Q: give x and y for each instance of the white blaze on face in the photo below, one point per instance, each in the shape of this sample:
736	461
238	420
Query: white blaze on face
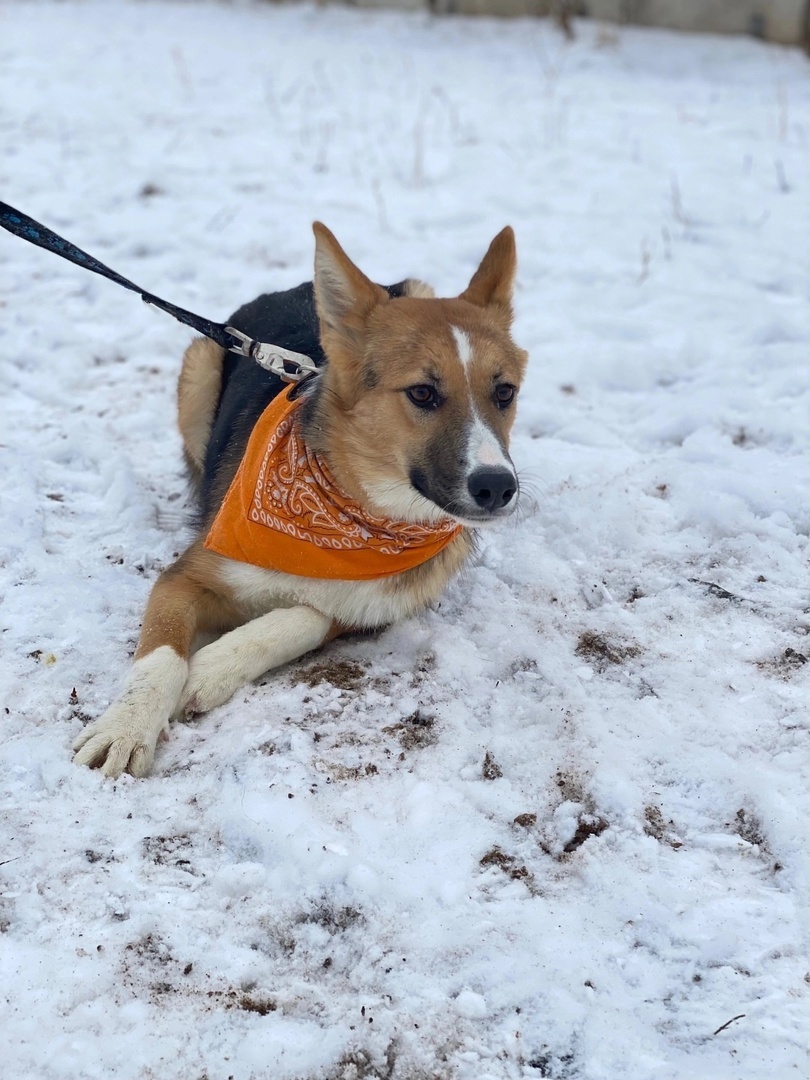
464	347
483	449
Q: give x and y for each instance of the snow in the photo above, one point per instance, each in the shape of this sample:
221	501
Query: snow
557	827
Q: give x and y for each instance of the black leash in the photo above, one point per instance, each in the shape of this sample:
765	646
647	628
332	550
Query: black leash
288	365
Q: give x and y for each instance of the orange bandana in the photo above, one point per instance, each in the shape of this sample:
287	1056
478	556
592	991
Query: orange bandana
284	511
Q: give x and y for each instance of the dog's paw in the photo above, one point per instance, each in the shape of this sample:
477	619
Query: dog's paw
119	741
217	672
210	683
237	658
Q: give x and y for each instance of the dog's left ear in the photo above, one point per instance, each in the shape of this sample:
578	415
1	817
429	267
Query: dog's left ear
344	296
491	284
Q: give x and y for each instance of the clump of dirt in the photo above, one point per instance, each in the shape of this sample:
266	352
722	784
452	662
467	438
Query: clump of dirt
284	934
510	866
744	438
361	1064
590	822
491	770
415	731
169	851
152	948
600	653
785	665
525	820
552	1066
589	825
236	999
337	771
658	829
749	828
152	953
425	665
94	856
342	674
262	1006
334	920
149	190
76	712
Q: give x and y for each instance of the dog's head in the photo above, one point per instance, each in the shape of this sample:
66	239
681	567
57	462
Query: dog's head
418	396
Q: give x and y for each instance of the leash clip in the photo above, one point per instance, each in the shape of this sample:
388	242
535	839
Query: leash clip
290	366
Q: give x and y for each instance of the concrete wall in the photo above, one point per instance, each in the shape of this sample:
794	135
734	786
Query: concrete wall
785	21
775	20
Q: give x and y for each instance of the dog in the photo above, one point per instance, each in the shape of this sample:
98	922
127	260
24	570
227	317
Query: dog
345	503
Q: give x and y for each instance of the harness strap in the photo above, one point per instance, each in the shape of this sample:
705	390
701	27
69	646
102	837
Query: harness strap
288	365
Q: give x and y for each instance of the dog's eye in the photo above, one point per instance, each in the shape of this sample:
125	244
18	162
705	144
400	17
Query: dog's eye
424	396
504	395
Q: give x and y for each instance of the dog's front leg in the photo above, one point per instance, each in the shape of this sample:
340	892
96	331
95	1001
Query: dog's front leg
124	738
218	670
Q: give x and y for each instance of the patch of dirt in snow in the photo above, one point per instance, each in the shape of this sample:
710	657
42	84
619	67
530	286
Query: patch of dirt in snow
343	674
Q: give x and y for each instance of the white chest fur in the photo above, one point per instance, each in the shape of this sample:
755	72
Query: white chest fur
366	604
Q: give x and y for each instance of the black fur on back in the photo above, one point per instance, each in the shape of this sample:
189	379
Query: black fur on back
284	318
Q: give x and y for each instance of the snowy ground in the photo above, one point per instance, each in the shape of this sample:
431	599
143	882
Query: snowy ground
557	827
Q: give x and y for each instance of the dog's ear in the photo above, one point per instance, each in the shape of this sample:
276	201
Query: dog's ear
344	296
491	284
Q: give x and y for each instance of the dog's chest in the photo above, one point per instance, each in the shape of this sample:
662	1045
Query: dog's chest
361	604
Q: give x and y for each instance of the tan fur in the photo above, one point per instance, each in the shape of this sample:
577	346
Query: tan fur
377	349
197	397
183	603
377	346
419	290
369	441
491	284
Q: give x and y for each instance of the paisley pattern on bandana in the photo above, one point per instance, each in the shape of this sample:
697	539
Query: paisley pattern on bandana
284	511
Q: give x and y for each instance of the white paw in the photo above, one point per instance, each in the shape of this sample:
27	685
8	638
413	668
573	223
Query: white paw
124	738
119	741
214	676
239	657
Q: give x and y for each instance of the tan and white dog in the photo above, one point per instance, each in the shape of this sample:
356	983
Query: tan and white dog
403	442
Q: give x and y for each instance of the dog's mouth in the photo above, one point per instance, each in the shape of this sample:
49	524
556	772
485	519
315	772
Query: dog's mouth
493	496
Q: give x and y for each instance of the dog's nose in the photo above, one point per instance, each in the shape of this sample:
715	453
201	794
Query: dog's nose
492	489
